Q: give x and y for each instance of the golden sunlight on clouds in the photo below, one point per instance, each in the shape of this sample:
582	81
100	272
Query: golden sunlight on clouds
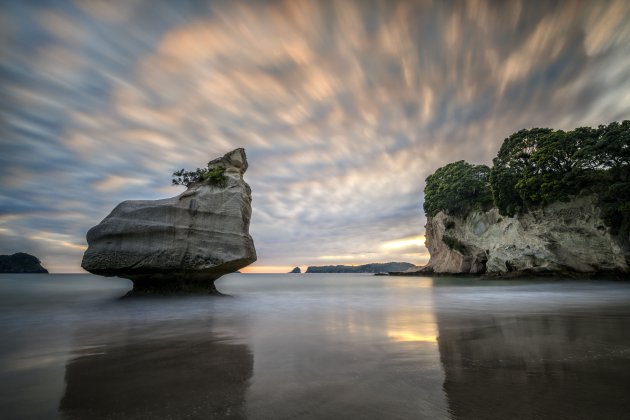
117	182
344	257
607	26
62	26
412	242
57	239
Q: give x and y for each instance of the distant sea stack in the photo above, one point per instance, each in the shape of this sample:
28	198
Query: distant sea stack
21	262
182	243
365	268
296	270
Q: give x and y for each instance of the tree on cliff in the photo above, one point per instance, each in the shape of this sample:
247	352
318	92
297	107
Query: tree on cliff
215	176
539	166
536	167
509	167
458	188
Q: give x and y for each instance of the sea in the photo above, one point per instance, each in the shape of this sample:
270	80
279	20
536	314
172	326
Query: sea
315	346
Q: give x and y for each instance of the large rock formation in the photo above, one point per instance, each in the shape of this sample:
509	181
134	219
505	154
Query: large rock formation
180	243
564	237
20	262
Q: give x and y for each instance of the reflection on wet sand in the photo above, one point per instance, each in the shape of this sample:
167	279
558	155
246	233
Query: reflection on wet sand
563	365
190	375
351	350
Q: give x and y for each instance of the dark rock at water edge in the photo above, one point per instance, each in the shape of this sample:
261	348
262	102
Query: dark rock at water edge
182	243
21	262
365	268
296	270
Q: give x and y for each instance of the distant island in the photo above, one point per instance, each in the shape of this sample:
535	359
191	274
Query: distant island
295	270
21	262
554	202
365	268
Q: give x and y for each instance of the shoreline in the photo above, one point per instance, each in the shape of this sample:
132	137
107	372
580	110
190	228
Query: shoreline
570	275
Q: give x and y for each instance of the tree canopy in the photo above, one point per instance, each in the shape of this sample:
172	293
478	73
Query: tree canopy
458	188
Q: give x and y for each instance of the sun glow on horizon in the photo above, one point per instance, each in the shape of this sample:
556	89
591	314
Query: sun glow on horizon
266	269
414	241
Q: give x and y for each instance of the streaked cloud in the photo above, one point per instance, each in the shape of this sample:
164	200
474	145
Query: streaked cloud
411	242
344	108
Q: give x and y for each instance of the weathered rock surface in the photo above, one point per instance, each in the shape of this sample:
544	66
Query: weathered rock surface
180	243
564	237
21	262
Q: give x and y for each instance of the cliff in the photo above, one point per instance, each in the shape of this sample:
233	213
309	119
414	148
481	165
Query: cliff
180	243
20	263
563	238
365	268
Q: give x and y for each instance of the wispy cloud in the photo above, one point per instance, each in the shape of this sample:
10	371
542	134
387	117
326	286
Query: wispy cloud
344	108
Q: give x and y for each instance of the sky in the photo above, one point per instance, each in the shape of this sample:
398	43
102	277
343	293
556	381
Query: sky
344	108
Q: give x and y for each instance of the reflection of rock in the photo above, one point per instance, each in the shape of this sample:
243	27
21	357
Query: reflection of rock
20	262
191	376
555	366
185	242
296	270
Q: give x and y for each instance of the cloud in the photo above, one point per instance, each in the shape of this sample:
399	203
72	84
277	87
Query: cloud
344	108
117	182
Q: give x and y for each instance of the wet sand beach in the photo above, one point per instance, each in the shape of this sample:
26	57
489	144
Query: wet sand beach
315	347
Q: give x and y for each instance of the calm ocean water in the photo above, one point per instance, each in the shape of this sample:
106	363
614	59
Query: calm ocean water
315	347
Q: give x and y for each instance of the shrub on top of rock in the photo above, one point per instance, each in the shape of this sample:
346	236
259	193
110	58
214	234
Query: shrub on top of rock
215	176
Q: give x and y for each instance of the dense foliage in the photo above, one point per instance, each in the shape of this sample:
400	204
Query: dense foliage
458	187
215	176
539	166
510	165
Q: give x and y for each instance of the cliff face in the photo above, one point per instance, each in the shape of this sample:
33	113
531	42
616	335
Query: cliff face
184	242
561	238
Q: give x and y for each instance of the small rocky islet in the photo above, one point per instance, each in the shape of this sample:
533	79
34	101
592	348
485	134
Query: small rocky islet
21	262
179	244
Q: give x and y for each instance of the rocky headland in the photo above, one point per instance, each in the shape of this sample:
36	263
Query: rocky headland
553	203
296	270
21	262
182	243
